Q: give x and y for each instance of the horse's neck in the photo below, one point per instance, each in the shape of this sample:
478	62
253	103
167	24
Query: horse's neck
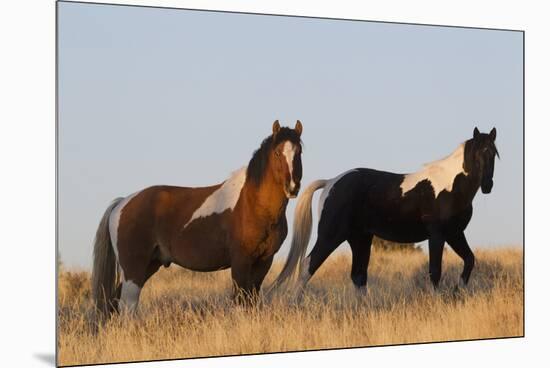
470	187
265	201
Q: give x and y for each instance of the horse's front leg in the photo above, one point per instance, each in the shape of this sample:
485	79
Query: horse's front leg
241	273
259	271
460	245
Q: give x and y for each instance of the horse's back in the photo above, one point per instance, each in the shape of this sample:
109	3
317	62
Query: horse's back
371	200
346	194
165	200
152	216
361	183
378	205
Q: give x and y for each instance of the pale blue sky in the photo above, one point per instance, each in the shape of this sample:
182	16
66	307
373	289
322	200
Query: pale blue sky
160	96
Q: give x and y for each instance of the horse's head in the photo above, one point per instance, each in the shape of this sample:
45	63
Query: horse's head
286	157
484	152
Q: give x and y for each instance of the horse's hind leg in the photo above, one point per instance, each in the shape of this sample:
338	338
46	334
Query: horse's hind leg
324	246
360	253
133	283
460	245
129	297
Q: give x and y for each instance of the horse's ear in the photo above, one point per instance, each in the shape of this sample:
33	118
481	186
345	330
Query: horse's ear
493	134
476	132
276	127
298	128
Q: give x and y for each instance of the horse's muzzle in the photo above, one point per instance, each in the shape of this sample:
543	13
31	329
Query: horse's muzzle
486	186
292	191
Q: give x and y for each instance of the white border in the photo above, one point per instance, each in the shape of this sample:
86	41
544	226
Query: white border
27	151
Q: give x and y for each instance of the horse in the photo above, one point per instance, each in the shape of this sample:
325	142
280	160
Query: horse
434	203
238	224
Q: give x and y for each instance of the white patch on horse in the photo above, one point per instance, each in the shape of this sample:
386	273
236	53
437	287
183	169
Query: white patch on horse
328	188
129	296
224	198
441	174
114	220
289	150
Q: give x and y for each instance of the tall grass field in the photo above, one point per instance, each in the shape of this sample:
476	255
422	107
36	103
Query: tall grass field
187	314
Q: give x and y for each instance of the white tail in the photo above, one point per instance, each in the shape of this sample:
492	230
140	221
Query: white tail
301	233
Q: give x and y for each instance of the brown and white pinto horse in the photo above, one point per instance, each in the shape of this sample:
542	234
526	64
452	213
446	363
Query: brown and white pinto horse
240	223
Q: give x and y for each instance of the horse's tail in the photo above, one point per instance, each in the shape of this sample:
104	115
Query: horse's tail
105	268
301	232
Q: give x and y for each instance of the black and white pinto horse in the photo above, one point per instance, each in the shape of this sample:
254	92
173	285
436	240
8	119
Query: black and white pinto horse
434	203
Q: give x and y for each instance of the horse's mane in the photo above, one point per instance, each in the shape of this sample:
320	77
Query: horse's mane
260	158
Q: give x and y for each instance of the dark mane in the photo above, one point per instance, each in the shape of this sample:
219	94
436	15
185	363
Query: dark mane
260	158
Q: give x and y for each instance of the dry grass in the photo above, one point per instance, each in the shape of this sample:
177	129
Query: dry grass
186	314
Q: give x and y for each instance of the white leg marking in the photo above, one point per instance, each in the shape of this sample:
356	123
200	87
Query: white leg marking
226	197
289	150
129	297
326	192
441	174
